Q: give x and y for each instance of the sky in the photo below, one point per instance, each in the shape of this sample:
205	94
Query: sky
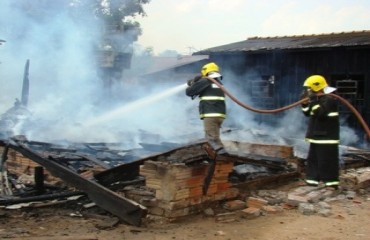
194	25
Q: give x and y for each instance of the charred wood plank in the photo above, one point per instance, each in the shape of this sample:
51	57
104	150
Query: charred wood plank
212	156
44	197
159	147
258	162
184	154
126	209
267	181
357	156
280	151
123	172
94	160
122	184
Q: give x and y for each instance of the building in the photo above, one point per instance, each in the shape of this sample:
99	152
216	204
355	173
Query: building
273	68
173	69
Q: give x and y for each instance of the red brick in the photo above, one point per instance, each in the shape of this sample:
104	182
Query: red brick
251	212
235	205
256	202
195	192
223	186
195	181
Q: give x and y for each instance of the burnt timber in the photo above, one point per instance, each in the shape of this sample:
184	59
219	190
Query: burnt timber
112	171
126	209
65	162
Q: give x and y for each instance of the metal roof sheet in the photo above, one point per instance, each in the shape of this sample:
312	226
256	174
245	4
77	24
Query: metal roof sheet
167	63
356	38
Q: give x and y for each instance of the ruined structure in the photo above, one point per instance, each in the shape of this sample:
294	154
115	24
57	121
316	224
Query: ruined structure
171	184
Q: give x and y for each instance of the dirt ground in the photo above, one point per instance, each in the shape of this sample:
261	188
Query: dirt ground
349	219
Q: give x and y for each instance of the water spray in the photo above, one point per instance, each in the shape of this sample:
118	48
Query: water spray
344	101
116	113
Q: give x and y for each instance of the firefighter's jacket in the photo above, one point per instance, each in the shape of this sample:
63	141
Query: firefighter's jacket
212	98
323	124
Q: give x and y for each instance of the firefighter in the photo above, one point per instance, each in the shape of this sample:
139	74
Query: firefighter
212	107
322	133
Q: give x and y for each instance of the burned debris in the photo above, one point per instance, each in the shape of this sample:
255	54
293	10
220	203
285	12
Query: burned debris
61	162
137	184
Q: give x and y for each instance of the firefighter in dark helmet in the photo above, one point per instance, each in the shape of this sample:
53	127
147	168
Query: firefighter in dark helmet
212	107
322	133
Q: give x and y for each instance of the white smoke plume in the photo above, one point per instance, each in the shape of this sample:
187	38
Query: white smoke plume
67	100
65	92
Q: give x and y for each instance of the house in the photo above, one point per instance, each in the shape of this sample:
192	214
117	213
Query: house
173	69
273	69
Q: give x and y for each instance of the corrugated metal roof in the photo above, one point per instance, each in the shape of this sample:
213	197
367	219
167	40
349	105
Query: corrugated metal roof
356	38
166	63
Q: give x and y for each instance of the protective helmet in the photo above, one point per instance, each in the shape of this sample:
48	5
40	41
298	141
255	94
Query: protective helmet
315	82
210	67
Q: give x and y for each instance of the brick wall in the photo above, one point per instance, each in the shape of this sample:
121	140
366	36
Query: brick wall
20	165
179	188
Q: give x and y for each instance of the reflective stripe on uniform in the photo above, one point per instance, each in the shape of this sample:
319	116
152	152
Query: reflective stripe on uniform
333	114
305	109
312	182
212	98
322	141
315	107
212	115
333	183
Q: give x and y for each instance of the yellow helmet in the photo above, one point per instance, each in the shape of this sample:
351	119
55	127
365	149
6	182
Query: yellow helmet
315	82
210	67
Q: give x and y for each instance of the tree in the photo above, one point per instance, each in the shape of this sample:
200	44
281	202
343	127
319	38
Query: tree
110	14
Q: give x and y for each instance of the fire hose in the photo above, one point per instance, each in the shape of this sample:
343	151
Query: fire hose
344	101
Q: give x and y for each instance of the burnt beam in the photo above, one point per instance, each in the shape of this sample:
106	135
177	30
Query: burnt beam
52	196
127	210
268	181
123	172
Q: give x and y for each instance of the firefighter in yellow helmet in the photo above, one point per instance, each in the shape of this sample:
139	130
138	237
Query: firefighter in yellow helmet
212	107
322	133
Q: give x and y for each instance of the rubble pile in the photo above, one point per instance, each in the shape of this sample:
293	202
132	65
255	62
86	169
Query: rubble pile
308	200
355	178
172	182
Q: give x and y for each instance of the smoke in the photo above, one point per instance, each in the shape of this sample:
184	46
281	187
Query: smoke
68	101
66	94
289	127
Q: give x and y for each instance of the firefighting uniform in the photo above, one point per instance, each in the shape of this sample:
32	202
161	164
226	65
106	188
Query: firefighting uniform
323	136
212	108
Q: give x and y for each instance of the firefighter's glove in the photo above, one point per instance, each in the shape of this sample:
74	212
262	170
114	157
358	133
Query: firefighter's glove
190	82
304	94
195	79
313	97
